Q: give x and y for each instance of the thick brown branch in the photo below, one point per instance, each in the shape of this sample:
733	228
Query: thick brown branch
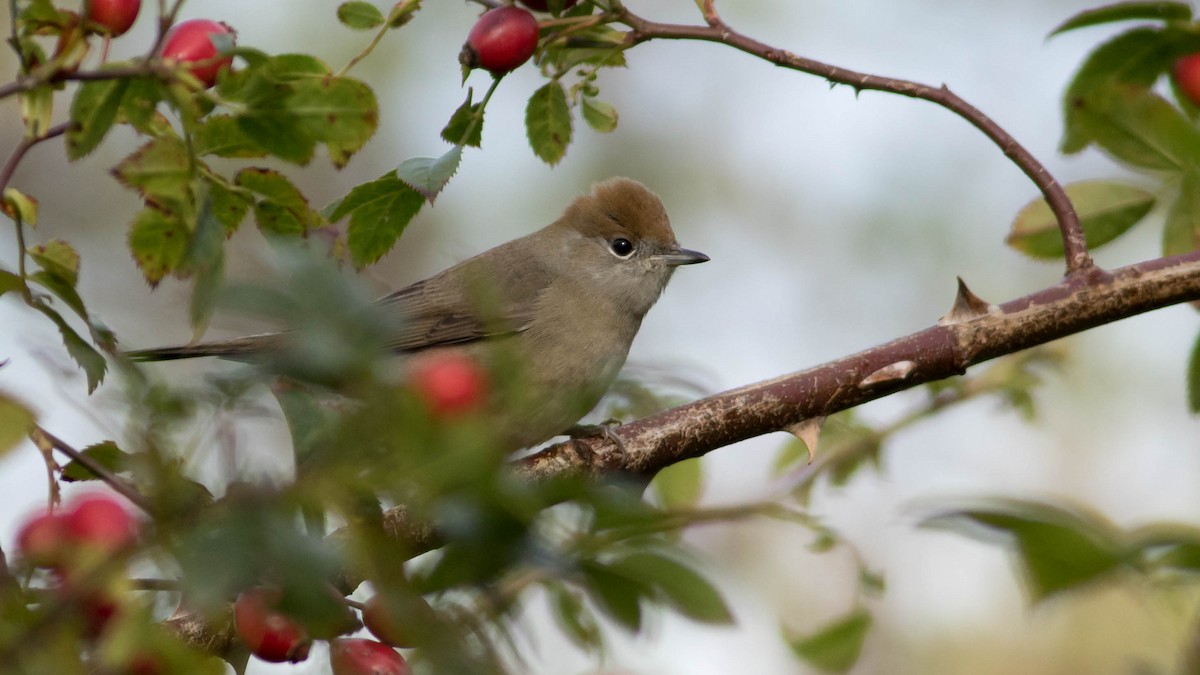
1074	242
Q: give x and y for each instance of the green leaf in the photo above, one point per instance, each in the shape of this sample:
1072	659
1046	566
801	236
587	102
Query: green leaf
16	421
220	135
9	282
1181	233
58	258
548	122
105	453
93	112
1107	209
599	115
456	129
680	485
1126	11
680	585
205	260
91	361
1193	378
429	175
139	106
836	647
158	241
18	205
616	595
284	209
1135	58
575	620
157	170
37	110
1140	128
359	15
379	211
229	204
1058	549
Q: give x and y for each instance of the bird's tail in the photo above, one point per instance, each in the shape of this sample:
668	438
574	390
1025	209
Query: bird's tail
232	348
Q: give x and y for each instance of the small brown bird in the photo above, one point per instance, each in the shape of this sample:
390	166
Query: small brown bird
565	301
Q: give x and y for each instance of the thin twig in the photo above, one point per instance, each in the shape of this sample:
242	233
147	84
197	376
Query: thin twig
1074	243
117	483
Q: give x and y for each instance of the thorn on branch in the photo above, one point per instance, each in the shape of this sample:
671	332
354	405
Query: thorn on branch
808	431
889	373
967	307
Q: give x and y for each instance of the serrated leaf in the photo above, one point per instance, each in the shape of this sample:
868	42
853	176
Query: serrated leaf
456	129
61	289
91	361
220	135
836	647
157	170
1140	128
1106	209
58	258
548	122
1126	11
1181	232
139	105
680	485
93	111
229	204
359	15
1135	58
1057	549
105	453
158	241
681	586
429	175
599	115
18	205
16	421
284	209
1193	378
379	211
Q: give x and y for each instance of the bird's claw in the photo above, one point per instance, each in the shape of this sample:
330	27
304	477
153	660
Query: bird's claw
605	430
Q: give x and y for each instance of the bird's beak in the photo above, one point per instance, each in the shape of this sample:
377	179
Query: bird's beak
682	256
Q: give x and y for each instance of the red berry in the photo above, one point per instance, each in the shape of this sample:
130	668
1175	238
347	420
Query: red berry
544	5
99	522
114	16
269	634
1187	76
191	42
43	540
502	39
450	382
352	656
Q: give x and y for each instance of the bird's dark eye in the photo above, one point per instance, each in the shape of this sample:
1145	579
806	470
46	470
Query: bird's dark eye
622	247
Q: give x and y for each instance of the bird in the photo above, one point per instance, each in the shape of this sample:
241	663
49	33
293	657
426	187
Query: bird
566	301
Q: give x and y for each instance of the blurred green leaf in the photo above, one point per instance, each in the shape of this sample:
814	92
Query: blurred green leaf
680	485
204	259
1126	11
1181	233
836	647
9	282
681	586
16	421
1193	378
614	594
548	122
58	258
158	241
139	105
220	135
429	175
93	111
1107	209
159	169
17	204
229	203
1168	547
379	211
283	209
359	15
575	620
599	115
1135	58
1059	549
106	453
1140	128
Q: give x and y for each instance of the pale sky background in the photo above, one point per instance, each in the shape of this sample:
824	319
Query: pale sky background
834	223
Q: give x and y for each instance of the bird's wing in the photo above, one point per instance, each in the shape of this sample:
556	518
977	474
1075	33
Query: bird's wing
464	304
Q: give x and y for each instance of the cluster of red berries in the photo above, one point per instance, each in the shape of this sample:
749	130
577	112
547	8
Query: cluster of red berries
188	42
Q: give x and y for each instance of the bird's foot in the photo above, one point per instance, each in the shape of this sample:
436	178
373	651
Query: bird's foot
605	430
